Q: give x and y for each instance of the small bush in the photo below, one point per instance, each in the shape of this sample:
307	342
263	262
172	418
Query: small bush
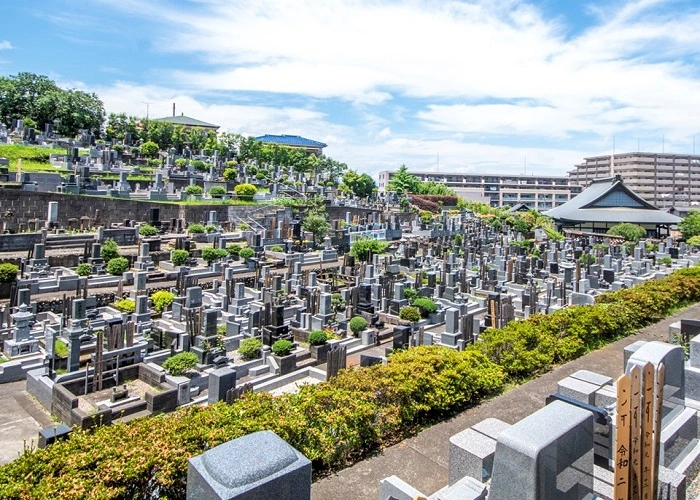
83	269
282	348
276	248
125	305
210	228
194	190
217	191
425	305
318	337
357	324
118	266
147	230
149	149
233	249
199	165
162	299
245	191
110	250
181	363
246	253
180	163
213	254
195	229
250	348
410	313
179	257
410	294
230	174
665	261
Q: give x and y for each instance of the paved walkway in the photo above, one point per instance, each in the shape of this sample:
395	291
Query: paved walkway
422	461
21	418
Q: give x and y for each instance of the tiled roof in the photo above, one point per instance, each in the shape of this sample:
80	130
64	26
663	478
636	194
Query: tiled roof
185	120
290	140
597	204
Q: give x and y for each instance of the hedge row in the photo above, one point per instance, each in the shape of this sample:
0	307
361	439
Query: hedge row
338	422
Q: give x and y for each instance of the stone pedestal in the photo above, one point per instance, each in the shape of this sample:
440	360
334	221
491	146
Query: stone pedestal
259	465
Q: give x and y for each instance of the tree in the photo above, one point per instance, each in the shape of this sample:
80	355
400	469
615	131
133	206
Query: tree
39	98
690	225
357	325
245	191
630	232
362	185
316	224
364	248
402	180
119	124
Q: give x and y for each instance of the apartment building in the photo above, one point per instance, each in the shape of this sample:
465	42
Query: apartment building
499	190
663	179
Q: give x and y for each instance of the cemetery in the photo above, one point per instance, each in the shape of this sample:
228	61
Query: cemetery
202	318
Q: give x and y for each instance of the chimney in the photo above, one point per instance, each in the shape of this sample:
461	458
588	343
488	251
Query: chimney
173	109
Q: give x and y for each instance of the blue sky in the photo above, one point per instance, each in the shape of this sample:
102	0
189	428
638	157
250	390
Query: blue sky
483	86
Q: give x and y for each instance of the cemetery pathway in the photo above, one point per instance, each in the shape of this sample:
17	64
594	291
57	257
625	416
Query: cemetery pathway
21	419
422	461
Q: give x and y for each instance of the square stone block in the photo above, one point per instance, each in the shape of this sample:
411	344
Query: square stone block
255	466
578	390
470	454
592	378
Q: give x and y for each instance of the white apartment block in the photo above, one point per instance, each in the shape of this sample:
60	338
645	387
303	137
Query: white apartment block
499	190
663	179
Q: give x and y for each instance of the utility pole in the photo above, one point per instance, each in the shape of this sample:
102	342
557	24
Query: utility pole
147	109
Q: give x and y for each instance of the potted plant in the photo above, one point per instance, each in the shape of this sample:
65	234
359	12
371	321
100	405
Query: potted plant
319	346
246	254
282	351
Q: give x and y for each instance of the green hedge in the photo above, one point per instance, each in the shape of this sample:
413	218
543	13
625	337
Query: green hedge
341	421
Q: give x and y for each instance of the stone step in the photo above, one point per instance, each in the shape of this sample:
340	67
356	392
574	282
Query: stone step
307	363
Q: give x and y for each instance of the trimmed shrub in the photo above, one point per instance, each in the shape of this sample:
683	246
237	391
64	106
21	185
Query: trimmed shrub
179	257
318	337
282	348
195	229
246	253
364	248
348	418
125	305
230	174
357	325
147	230
83	269
162	300
194	190
118	266
410	313
245	191
180	363
276	248
694	241
110	250
210	228
425	305
234	249
213	254
410	294
217	191
60	349
250	348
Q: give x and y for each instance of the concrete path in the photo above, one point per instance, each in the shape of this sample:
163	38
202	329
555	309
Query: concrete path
422	461
21	418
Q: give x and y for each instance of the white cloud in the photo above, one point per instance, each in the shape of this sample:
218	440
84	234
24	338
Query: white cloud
457	75
5	45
